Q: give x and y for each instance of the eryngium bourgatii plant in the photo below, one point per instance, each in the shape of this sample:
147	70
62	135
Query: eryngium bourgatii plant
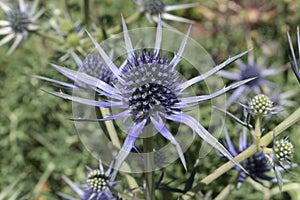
148	89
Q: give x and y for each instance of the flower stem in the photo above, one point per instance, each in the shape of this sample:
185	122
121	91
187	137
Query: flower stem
265	140
49	37
257	133
149	165
86	12
111	128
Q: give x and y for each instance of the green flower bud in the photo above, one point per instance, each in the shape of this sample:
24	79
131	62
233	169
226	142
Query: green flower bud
97	181
261	105
283	149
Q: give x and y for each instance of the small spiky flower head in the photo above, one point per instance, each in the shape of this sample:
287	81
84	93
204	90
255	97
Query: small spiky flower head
19	21
148	89
97	185
251	69
261	105
155	8
94	66
97	181
294	61
257	166
283	149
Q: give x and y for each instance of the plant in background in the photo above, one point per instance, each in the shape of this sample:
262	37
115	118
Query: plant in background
249	70
294	61
155	8
19	22
70	36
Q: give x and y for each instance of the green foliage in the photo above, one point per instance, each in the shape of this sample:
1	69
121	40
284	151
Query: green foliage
39	144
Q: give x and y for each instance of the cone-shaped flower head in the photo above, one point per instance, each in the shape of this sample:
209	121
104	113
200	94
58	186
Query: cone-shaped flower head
283	149
97	186
155	8
19	21
148	89
261	105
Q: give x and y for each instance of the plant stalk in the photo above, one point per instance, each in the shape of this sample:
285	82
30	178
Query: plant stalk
149	192
86	12
265	141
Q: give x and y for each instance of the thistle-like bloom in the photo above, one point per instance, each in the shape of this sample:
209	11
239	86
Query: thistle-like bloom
283	149
257	165
149	89
94	66
19	21
250	70
294	61
97	186
154	8
261	105
91	65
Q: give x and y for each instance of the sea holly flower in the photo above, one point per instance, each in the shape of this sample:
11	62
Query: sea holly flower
258	165
283	149
92	65
261	105
154	8
294	61
249	70
148	89
98	185
19	21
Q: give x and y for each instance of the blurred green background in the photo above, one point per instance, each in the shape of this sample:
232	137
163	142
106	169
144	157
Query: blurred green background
38	143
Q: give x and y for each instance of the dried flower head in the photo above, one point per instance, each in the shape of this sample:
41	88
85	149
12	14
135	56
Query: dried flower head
148	88
19	21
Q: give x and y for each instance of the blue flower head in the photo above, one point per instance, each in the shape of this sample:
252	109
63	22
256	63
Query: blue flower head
294	61
249	70
98	186
155	8
19	21
148	89
258	165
